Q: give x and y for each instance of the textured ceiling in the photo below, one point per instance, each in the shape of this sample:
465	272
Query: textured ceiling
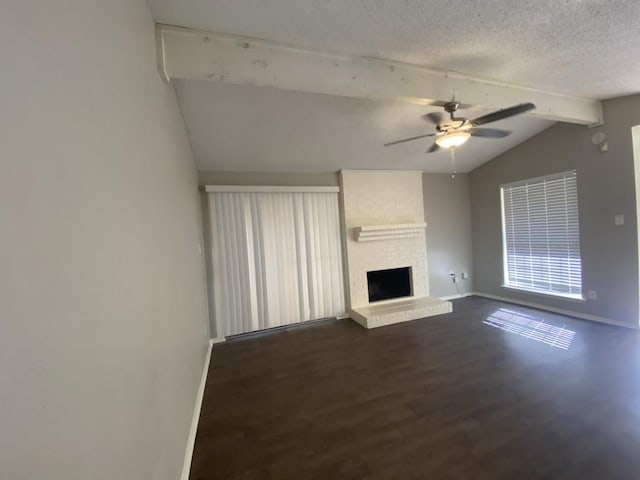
580	47
245	128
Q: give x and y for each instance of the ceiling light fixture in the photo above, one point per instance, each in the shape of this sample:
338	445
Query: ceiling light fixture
453	139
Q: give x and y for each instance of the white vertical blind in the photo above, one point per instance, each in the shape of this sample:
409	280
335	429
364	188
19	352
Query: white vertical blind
541	237
277	259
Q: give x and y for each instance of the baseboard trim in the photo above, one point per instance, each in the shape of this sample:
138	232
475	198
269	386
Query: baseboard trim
455	297
569	313
191	440
213	341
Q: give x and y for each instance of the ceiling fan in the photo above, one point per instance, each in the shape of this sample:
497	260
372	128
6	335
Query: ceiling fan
454	131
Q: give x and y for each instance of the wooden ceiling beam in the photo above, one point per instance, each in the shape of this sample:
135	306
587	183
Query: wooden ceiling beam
198	55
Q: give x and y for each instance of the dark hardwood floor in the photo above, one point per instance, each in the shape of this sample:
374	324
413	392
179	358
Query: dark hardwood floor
446	397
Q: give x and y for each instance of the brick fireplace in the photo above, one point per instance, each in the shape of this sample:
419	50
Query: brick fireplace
383	215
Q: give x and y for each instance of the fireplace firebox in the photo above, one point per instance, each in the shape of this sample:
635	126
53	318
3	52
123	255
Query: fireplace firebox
388	284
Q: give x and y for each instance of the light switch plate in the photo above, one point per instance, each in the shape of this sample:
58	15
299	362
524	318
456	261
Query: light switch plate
619	219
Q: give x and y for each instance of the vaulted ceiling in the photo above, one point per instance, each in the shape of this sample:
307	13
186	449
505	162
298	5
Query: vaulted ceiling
244	128
573	47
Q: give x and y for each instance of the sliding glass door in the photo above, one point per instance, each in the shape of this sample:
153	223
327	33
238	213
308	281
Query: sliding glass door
276	258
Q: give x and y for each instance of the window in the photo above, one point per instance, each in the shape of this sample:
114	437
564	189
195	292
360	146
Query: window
541	237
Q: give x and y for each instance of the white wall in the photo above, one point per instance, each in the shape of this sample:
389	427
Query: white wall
102	307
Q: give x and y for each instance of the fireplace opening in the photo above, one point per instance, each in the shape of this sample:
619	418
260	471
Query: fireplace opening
387	284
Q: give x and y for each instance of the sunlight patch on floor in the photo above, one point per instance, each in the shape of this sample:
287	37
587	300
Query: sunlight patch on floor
531	327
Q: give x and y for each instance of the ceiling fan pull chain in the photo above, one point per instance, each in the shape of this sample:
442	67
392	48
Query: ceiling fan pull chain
453	162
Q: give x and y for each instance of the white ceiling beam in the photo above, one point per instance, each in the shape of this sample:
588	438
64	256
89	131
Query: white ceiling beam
196	55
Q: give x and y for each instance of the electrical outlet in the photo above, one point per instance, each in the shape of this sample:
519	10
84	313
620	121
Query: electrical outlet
465	275
592	295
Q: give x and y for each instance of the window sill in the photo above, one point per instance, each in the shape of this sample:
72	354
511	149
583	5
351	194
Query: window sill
540	293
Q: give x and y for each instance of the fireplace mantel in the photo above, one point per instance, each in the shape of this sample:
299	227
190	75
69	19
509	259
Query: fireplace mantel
368	233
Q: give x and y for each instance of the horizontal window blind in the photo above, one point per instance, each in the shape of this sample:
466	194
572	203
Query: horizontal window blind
541	237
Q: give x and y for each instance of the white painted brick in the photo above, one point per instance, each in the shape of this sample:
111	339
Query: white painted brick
385	198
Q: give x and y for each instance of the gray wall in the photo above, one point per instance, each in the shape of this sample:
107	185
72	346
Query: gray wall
103	329
447	211
605	188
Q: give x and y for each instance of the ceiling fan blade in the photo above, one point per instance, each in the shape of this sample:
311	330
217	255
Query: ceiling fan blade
500	114
439	103
489	132
434	117
408	139
434	148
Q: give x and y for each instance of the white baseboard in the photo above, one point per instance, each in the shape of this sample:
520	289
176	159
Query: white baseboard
191	441
454	297
343	316
213	341
570	313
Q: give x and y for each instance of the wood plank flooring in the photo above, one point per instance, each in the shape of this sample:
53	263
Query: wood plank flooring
447	397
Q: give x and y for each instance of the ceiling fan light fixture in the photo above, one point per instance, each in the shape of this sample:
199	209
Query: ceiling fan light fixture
453	139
